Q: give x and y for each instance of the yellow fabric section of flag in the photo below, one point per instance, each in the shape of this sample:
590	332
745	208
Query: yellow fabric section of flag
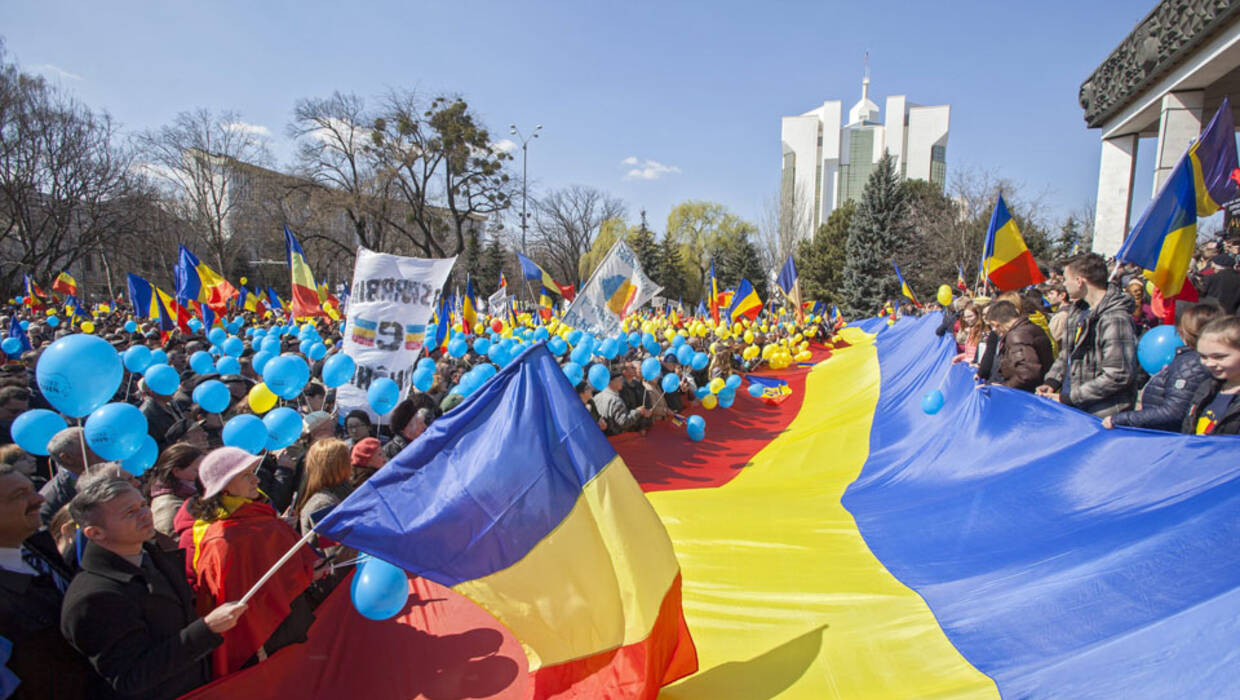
302	274
609	561
1008	245
1173	259
782	595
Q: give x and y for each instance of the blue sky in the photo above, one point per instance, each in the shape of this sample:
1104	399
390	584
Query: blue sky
697	88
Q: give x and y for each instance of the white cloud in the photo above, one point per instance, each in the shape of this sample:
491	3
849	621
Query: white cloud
647	169
56	71
505	145
256	129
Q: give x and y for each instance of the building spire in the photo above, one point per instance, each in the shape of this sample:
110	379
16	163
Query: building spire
865	80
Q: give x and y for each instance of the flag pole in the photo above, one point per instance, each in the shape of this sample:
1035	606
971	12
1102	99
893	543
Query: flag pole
275	567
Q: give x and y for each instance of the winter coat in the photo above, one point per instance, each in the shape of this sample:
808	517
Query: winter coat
142	636
1098	357
1228	424
1024	356
611	407
1223	285
1167	397
57	492
166	501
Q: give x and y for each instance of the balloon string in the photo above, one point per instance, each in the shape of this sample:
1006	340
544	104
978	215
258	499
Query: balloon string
82	442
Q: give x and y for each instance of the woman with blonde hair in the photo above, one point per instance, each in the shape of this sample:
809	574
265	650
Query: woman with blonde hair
327	480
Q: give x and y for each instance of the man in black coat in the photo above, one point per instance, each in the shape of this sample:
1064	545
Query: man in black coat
130	611
33	577
1224	284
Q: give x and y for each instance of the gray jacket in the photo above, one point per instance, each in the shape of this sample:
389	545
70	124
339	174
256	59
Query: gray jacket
1100	359
612	409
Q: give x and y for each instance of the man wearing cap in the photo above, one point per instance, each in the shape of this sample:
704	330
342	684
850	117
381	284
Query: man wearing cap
130	610
612	409
1224	284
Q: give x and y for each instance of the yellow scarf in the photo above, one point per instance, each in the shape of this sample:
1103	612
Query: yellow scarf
228	506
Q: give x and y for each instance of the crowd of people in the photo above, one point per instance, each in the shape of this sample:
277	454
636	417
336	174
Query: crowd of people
121	585
1074	339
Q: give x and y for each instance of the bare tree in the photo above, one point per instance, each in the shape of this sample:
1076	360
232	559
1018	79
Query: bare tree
62	172
566	221
194	160
787	219
438	160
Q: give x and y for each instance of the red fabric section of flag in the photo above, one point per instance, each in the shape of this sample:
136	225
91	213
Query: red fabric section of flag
305	302
636	670
567	291
1164	308
1018	273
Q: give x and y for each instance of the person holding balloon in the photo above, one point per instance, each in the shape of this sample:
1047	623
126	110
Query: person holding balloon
1168	395
234	540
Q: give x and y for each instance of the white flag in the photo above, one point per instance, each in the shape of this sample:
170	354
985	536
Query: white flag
617	288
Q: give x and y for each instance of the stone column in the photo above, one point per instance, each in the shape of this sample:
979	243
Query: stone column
1178	124
1115	171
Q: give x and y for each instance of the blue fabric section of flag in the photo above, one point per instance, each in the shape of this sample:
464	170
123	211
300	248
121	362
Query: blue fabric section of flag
1055	565
787	276
140	294
1174	208
292	247
742	300
1215	152
15	331
998	219
441	324
208	316
485	483
188	283
274	298
529	269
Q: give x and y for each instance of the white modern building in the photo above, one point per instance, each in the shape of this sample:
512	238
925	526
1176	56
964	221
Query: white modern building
827	161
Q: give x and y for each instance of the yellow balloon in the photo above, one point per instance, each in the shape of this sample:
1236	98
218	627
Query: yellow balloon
328	342
261	399
804	356
748	336
709	401
244	281
716	385
51	312
669	334
764	328
810	332
479	329
944	296
88	327
712	348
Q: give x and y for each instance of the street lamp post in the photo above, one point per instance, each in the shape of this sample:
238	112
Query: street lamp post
525	141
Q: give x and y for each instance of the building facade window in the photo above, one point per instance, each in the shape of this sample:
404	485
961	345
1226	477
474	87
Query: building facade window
938	165
855	173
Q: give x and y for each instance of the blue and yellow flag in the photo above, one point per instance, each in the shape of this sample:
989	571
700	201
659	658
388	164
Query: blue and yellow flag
774	391
904	288
142	297
1165	237
195	281
305	293
534	273
745	302
469	307
561	546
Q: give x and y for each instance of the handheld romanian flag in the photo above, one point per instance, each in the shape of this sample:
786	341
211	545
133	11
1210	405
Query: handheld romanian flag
443	321
1165	236
469	307
1006	259
17	332
560	546
196	281
142	297
532	272
65	284
774	391
503	281
960	283
790	285
34	294
713	293
274	299
745	302
305	296
904	288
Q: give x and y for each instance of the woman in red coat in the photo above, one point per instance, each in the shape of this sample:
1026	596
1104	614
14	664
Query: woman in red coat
235	540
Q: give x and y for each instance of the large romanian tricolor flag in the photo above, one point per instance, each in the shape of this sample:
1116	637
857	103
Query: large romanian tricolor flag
196	281
1005	257
745	302
1165	236
305	295
65	284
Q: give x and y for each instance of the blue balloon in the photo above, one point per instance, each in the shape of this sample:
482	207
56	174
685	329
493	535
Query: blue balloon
609	348
233	347
652	346
53	321
228	365
142	460
580	354
423	380
217	336
201	362
383	395
286	375
25	325
574	337
215	351
115	431
699	361
317	351
932	401
684	354
131	326
1157	348
755	390
159	357
670	383
427	364
574	372
259	360
696	423
701	392
635	339
338	370
194	325
283	427
651	369
697	434
245	431
457	347
541	333
79	373
677	341
34	428
137	358
379	589
733	381
161	379
271	344
557	346
726	398
599	376
481	346
11	346
486	371
303	347
213	396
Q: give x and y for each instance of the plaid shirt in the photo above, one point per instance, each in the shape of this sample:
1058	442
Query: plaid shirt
1098	352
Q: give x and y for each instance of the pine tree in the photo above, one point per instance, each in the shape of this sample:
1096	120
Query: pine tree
878	231
820	260
493	259
641	240
473	263
671	269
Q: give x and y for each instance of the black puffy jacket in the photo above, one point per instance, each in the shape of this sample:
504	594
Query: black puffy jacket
1168	395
